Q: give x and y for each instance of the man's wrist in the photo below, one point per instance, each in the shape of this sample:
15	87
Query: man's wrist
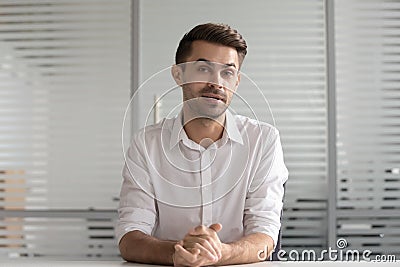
226	251
173	253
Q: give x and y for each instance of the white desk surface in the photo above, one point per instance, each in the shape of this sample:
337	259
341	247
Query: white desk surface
54	263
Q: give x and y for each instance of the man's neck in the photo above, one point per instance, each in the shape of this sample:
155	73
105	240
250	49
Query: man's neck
203	131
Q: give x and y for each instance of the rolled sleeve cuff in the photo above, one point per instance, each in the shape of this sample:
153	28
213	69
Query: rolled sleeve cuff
131	219
271	231
266	222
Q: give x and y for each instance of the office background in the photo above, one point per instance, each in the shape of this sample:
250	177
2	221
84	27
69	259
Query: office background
328	68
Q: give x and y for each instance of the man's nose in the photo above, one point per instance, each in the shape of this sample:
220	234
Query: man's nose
215	81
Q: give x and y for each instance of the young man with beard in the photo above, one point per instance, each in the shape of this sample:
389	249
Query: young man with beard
205	187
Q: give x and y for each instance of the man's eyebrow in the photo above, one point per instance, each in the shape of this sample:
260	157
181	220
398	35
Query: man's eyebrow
210	63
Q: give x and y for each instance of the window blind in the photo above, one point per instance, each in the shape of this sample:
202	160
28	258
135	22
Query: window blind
61	237
286	59
368	124
64	86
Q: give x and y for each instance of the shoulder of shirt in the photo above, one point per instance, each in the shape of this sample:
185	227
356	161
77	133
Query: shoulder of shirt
153	130
255	125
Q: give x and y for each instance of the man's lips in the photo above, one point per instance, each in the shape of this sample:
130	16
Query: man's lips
214	96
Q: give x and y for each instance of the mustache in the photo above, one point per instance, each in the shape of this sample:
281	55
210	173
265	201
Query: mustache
208	90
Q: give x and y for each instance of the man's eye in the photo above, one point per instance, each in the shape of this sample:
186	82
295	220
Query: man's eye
228	73
203	69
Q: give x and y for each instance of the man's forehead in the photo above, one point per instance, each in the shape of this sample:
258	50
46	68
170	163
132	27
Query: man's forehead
213	52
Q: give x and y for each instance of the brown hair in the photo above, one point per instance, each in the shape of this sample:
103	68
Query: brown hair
214	33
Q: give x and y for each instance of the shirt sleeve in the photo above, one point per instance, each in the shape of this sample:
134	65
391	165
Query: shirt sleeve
137	207
264	200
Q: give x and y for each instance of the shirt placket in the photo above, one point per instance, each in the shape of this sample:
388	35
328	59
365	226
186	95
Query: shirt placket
206	192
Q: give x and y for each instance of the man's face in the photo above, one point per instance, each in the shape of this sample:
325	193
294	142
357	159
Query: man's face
209	78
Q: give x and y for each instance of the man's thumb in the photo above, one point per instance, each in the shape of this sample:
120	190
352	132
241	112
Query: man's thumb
216	227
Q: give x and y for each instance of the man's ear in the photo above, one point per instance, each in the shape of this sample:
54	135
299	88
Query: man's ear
177	74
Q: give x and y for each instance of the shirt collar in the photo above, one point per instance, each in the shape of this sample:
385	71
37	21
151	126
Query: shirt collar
232	128
178	133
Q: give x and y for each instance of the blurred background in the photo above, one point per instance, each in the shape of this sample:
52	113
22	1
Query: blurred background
330	70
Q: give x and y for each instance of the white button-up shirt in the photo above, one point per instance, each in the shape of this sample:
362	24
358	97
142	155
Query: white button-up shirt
172	184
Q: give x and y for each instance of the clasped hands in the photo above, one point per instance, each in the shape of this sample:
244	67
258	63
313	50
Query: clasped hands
200	246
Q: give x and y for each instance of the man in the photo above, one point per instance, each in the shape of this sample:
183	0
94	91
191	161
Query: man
205	187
